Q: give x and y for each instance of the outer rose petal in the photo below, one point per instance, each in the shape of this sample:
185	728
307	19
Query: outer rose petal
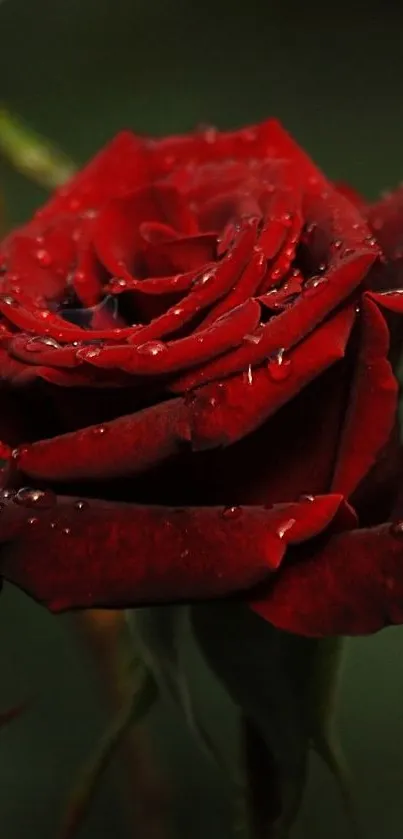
385	217
86	554
372	404
124	446
353	196
351	586
119	168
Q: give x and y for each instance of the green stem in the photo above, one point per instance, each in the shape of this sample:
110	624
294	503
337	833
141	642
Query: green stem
31	154
262	794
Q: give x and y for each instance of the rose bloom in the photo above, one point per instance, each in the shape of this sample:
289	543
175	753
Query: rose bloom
198	395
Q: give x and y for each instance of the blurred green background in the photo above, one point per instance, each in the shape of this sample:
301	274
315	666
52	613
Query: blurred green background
78	71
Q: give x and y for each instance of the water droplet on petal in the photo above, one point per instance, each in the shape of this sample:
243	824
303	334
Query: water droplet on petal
7	494
32	520
39	342
43	257
306	497
66	530
248	375
92	353
337	244
17	453
99	430
231	513
185	553
204	278
7	300
28	497
396	529
284	527
81	505
254	339
279	367
313	285
152	348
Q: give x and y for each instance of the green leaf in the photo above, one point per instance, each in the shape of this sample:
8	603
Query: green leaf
266	672
143	697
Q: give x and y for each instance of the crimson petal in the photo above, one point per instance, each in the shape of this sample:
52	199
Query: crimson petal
81	554
373	402
226	411
351	586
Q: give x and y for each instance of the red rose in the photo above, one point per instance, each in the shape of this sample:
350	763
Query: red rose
190	343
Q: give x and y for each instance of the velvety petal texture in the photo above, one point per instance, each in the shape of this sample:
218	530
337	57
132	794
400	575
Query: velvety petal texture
197	385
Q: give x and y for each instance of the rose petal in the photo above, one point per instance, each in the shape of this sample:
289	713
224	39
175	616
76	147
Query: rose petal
224	412
372	404
81	554
353	585
119	168
385	217
117	236
288	328
124	446
156	358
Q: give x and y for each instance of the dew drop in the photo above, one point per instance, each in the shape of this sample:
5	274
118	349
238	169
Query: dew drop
185	553
152	348
37	343
396	529
249	375
43	257
203	279
313	285
337	244
7	494
28	497
253	339
7	300
279	367
92	353
81	505
66	530
99	430
285	527
306	497
32	520
17	453
231	513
